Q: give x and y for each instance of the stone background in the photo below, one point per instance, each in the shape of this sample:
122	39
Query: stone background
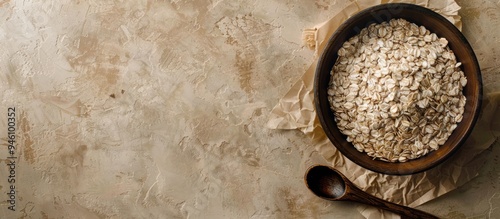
157	109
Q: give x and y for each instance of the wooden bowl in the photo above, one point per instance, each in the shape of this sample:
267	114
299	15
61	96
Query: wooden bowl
434	23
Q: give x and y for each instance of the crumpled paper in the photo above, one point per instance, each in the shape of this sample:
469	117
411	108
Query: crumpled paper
296	111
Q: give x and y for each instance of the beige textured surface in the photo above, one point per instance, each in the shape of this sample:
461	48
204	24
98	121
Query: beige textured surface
157	109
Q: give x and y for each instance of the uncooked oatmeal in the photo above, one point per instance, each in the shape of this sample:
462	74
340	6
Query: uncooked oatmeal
396	91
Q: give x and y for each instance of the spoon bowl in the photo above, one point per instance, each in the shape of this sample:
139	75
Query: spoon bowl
328	183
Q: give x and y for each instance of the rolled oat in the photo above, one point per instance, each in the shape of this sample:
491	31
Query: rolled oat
396	91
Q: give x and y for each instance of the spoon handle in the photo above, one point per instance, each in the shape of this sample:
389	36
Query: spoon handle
406	212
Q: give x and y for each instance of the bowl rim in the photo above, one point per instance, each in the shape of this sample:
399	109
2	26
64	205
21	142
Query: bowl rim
475	110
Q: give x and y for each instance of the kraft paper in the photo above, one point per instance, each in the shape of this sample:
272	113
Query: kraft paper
296	111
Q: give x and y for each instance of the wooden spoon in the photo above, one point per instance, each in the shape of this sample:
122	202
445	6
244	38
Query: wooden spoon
330	184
